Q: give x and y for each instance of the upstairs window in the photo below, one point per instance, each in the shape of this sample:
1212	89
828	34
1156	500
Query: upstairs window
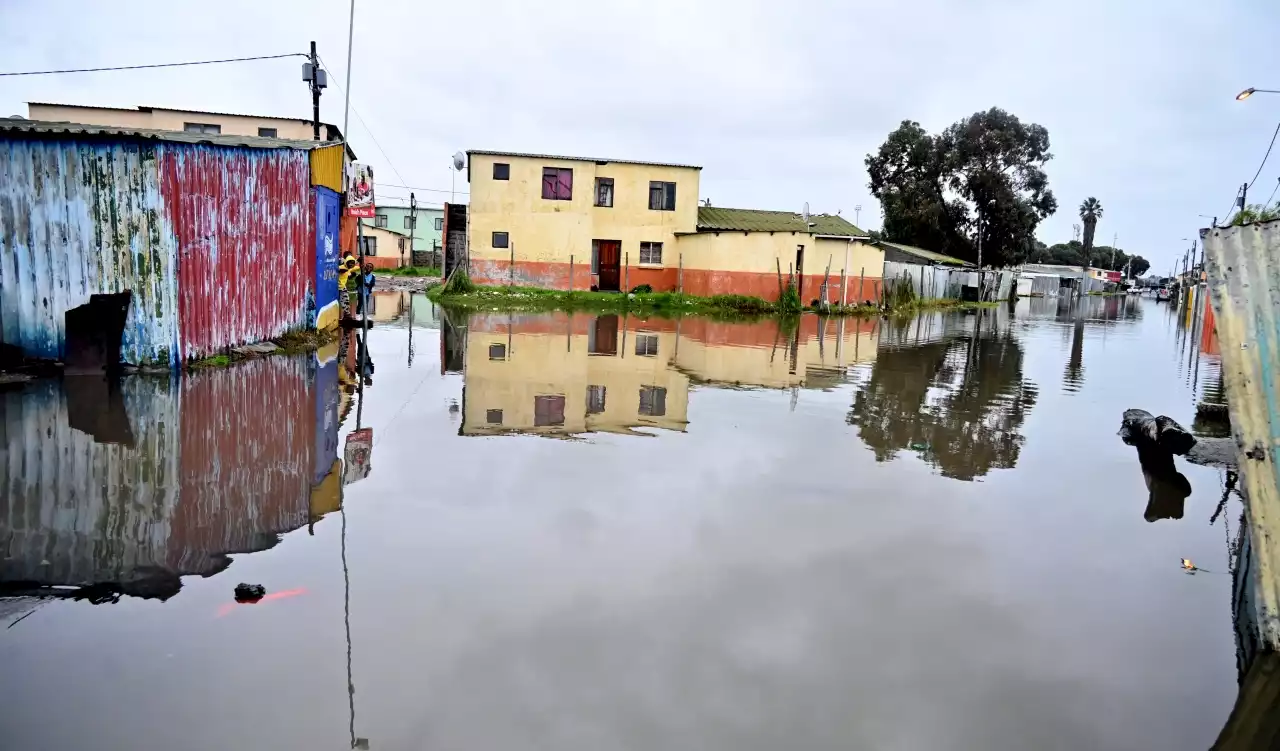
501	171
557	183
439	223
202	128
604	192
380	220
501	239
662	196
267	132
410	222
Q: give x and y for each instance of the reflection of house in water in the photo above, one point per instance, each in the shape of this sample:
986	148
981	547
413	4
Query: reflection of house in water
561	374
218	462
565	374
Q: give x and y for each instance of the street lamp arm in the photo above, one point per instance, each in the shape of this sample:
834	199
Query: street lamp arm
1251	91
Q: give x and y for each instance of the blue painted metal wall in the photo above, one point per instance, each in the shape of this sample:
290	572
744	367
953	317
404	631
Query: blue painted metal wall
78	219
328	208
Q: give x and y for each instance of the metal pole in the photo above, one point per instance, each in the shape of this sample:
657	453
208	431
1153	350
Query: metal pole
413	225
315	92
979	252
570	272
346	107
627	280
511	265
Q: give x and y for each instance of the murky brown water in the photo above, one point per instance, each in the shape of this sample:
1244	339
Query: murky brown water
604	532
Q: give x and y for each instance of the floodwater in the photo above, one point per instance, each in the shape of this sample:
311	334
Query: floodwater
598	532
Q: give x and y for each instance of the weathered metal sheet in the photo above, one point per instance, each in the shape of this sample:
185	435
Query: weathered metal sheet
327	166
327	212
243	223
78	219
1244	281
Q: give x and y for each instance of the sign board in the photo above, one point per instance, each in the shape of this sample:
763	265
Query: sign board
360	191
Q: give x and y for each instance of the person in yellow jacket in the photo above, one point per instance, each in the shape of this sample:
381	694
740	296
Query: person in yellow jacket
347	267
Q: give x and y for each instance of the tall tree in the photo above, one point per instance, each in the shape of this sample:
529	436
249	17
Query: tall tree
981	178
1090	213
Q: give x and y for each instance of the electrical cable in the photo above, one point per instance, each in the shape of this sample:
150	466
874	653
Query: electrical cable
430	190
1264	156
156	65
367	129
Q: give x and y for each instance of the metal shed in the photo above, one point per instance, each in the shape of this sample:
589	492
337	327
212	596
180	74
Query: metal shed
214	236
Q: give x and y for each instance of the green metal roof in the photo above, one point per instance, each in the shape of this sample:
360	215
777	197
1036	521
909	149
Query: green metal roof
714	218
928	255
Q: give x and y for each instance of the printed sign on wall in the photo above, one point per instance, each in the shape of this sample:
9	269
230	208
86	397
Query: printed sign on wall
360	191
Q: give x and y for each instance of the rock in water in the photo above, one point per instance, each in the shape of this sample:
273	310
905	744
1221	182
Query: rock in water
249	592
1173	437
1138	426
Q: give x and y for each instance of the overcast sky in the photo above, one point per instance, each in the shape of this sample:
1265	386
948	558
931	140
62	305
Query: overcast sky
779	102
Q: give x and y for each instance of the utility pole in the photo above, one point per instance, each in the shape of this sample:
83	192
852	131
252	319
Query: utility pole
413	226
315	92
1114	240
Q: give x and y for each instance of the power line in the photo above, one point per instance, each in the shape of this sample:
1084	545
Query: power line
1273	193
1264	156
156	65
429	190
367	129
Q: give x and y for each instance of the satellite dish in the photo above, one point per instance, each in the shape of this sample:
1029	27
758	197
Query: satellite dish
459	161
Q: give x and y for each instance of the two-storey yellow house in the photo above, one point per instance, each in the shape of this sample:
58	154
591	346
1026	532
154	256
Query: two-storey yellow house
561	222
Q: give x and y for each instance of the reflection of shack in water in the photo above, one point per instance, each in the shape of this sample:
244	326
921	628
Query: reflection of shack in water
558	374
222	461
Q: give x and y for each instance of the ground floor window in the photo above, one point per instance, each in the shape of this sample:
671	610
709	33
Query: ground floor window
371	246
651	253
497	351
653	401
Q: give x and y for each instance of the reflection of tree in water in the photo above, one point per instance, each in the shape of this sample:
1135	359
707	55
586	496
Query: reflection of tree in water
1074	375
958	403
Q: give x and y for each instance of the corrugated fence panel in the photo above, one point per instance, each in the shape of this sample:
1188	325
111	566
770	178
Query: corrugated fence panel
243	219
326	166
1244	281
78	219
74	511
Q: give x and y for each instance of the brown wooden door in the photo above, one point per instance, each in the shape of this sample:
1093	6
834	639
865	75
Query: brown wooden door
610	265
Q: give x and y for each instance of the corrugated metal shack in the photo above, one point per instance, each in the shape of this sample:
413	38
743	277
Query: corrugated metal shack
214	236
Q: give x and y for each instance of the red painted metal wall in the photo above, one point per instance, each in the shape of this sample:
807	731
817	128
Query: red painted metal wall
245	229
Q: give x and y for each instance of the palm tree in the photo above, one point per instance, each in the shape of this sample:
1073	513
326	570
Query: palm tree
1090	213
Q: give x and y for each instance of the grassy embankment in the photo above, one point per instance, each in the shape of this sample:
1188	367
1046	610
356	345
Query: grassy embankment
409	271
462	293
292	343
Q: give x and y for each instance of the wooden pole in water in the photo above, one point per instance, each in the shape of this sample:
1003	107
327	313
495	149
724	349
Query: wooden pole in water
679	288
570	272
511	266
778	264
626	283
862	278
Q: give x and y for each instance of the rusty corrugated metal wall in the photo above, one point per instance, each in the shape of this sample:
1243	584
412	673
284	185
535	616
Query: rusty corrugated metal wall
1244	284
217	244
244	229
78	219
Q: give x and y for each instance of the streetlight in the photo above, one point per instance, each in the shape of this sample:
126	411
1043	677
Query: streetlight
1251	91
